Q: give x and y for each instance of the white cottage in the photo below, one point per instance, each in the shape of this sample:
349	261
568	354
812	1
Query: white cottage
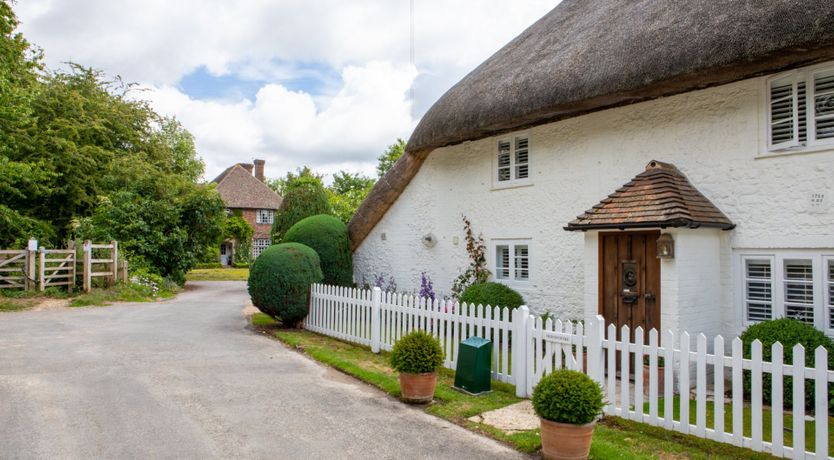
693	139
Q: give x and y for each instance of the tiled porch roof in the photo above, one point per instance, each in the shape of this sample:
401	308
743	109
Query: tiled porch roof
661	196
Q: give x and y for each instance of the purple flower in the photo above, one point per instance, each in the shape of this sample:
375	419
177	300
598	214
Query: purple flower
426	286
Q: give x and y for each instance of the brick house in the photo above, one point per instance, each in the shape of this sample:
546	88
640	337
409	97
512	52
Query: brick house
249	196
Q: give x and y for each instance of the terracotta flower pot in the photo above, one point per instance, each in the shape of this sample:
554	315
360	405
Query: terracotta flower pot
417	388
661	379
564	441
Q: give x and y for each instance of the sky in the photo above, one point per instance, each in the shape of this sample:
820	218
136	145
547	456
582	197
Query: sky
324	83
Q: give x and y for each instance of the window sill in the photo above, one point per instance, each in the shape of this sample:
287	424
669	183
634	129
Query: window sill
796	151
511	184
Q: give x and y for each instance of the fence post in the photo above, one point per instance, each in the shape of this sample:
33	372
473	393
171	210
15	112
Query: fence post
519	351
375	319
31	250
87	266
41	268
596	333
114	252
73	267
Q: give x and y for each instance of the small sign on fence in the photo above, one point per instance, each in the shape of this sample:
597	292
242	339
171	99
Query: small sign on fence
561	338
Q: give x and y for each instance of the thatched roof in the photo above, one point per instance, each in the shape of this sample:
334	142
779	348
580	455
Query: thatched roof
661	196
589	55
240	189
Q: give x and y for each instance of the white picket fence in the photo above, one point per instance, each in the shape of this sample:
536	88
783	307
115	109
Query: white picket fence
525	349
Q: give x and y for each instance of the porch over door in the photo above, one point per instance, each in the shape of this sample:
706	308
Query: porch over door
630	280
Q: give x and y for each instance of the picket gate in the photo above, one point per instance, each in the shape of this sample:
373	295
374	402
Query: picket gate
676	396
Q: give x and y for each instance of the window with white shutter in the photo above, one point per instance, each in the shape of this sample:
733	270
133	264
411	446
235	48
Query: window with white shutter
758	289
799	290
800	109
512	260
512	165
792	283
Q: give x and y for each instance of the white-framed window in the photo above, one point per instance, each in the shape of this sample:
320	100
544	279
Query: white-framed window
258	246
796	284
512	161
264	216
511	260
800	109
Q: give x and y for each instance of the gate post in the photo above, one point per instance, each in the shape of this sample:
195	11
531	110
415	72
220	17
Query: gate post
596	333
30	283
73	267
114	253
41	268
520	345
375	319
88	266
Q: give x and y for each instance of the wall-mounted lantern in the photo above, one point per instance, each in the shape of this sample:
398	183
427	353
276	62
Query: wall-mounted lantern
665	247
429	240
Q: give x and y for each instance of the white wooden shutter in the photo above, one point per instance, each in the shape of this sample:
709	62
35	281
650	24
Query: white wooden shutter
823	109
504	168
522	158
502	262
799	290
758	289
829	289
522	262
786	121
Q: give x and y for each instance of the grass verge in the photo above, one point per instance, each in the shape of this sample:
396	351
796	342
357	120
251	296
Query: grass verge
130	292
218	274
614	438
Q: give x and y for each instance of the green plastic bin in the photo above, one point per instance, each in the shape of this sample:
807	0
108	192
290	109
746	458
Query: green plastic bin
473	374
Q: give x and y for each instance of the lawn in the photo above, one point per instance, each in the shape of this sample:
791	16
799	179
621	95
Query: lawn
614	438
218	274
119	293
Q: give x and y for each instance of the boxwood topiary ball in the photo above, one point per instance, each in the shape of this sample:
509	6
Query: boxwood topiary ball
416	353
280	279
492	294
566	396
328	236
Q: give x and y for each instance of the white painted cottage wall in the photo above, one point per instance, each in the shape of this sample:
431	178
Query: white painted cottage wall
714	136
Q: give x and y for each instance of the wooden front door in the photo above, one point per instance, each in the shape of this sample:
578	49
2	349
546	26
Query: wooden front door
629	275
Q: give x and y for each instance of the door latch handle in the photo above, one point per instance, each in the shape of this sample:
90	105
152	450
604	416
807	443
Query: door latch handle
648	296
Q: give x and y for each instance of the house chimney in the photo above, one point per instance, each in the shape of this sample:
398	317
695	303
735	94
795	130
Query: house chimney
259	170
248	166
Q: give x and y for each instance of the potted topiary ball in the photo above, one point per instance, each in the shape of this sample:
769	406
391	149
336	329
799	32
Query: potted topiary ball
417	356
661	373
568	404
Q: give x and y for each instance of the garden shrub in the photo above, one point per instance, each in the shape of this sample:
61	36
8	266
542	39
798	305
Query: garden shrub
280	279
328	236
566	396
208	265
241	265
416	353
493	294
788	332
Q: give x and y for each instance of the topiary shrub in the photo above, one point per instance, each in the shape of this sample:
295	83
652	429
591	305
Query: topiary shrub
304	197
493	294
416	353
280	279
566	396
328	236
788	332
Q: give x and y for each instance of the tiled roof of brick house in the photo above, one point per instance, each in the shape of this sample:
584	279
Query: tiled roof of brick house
240	189
660	196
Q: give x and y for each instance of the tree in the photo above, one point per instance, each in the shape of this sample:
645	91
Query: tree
389	157
304	196
281	184
347	192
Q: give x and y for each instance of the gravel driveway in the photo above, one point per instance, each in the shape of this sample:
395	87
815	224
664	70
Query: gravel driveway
184	379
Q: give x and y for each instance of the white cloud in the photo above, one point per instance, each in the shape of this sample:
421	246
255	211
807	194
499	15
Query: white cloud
287	128
348	121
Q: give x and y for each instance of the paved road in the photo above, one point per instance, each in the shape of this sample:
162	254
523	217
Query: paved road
185	379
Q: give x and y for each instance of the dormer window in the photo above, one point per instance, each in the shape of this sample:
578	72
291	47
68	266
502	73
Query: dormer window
800	109
265	216
512	166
